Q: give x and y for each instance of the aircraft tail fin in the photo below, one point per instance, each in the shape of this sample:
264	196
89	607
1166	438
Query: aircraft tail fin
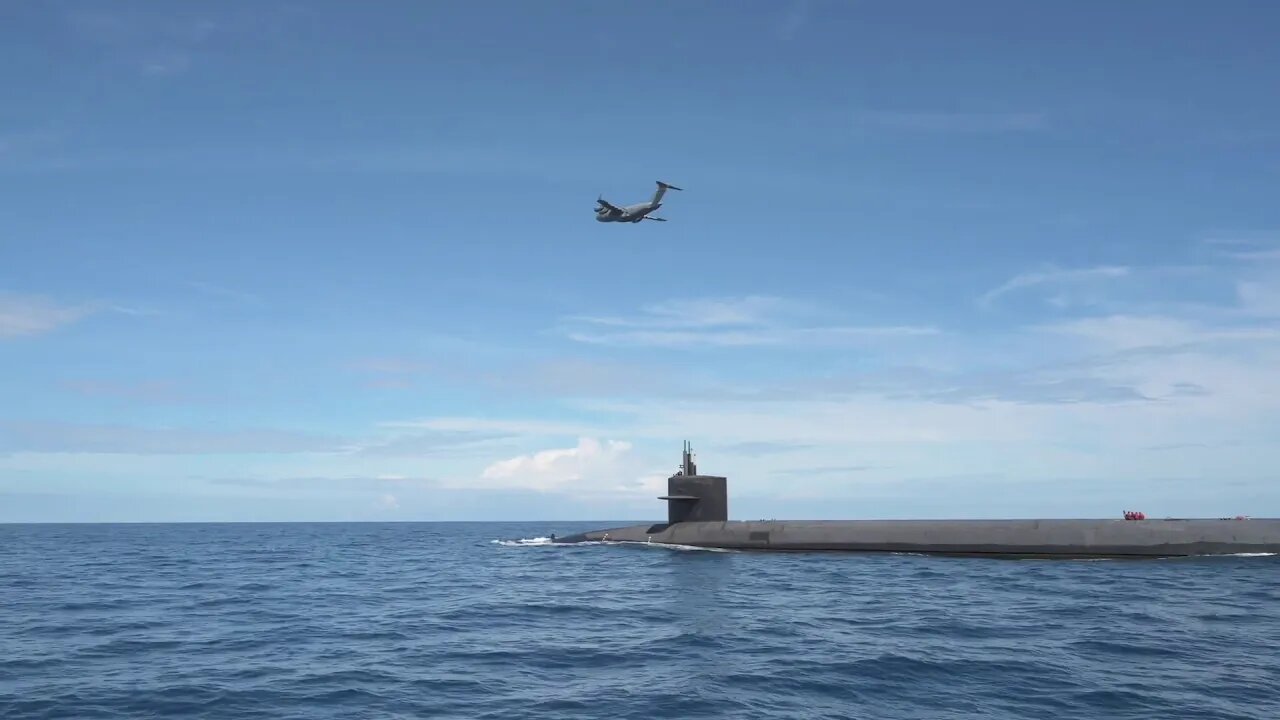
662	190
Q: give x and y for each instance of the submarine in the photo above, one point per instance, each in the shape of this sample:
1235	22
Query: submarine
698	516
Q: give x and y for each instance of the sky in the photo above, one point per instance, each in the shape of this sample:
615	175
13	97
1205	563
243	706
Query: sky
325	261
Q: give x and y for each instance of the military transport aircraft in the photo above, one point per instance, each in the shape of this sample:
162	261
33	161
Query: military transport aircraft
607	212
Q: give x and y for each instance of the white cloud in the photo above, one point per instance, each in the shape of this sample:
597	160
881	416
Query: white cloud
430	443
1056	277
1200	397
68	437
1256	254
843	421
1242	239
492	425
592	467
730	322
774	337
22	315
706	312
1259	298
1128	332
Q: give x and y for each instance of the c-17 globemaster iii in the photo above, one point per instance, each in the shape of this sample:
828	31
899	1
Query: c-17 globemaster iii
607	212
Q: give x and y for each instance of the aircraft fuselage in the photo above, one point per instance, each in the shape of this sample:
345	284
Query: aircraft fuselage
630	213
608	212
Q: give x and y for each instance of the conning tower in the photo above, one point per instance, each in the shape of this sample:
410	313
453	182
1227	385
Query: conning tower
695	498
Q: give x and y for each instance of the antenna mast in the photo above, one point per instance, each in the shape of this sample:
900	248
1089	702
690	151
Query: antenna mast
686	466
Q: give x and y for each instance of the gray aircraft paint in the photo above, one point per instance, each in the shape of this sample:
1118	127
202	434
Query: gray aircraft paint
697	515
607	212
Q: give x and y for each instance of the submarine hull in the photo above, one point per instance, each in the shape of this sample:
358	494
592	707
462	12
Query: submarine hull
698	516
1017	538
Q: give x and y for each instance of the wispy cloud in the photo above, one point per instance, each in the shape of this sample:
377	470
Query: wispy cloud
1260	298
775	337
136	311
761	449
728	322
1255	265
528	428
1267	255
1062	279
68	437
26	315
576	377
1128	332
435	442
1078	420
706	312
23	315
825	470
1029	389
352	483
1242	239
558	377
1057	382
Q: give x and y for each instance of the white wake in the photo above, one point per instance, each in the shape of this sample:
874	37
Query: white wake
546	542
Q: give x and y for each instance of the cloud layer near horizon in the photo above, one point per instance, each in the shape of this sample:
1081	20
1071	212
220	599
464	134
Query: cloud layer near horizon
1160	395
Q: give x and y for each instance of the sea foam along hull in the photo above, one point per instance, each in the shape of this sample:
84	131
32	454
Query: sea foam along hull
1025	538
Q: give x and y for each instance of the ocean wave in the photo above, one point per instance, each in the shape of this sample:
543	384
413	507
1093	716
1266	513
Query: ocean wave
338	621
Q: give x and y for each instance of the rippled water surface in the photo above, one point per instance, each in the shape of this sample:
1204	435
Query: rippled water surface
442	621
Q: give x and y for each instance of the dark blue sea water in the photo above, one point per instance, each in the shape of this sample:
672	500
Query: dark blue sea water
440	621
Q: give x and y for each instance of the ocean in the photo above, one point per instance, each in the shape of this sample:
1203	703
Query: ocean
487	620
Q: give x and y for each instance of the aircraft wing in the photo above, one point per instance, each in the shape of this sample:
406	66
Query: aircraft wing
610	206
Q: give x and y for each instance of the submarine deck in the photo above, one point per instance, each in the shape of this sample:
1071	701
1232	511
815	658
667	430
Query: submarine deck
1025	538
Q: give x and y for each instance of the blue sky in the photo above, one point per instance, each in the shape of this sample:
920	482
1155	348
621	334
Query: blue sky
323	261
